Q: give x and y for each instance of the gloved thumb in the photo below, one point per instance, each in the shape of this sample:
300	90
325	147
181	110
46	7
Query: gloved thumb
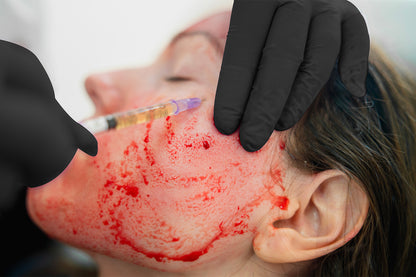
84	139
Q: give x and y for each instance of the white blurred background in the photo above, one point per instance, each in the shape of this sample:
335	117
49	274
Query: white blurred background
74	38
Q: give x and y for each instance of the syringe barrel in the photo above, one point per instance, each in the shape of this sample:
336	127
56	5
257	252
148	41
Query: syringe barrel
141	115
96	125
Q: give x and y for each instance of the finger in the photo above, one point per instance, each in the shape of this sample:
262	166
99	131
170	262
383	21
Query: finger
86	141
282	55
321	53
82	138
249	25
353	59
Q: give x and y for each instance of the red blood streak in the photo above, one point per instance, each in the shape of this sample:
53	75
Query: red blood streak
277	177
188	145
193	256
190	257
149	155
205	144
160	257
145	179
280	201
282	145
238	223
171	134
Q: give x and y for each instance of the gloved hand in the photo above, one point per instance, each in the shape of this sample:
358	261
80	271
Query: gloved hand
278	56
38	138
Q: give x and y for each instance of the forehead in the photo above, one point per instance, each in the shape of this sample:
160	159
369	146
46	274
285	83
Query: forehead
211	39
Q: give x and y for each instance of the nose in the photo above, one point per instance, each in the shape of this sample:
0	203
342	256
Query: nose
103	92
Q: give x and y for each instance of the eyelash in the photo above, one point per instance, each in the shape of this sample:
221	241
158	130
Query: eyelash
177	79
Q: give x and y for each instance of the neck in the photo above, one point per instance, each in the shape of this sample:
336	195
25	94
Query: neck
109	267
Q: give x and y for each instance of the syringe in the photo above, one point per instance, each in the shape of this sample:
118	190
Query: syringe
140	115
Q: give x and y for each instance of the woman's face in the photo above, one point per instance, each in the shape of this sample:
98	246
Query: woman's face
173	193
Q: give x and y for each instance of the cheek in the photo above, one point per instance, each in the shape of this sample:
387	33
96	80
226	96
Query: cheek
188	188
167	191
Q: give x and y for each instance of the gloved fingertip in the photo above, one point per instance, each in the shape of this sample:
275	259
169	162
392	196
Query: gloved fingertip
225	127
250	148
91	148
86	141
356	88
250	143
354	82
224	131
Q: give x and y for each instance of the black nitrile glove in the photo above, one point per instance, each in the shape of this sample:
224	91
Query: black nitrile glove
38	138
278	56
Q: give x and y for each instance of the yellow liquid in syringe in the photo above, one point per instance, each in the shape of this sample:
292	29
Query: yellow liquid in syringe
138	117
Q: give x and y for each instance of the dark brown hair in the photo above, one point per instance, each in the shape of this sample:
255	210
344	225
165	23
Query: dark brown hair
372	140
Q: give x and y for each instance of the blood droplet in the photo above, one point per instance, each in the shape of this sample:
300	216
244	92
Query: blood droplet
205	144
131	190
282	202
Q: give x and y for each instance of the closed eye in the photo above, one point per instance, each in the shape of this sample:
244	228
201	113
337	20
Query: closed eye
177	79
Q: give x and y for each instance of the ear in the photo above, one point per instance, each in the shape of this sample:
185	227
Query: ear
326	212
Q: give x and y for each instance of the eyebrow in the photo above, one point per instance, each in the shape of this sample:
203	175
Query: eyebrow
214	41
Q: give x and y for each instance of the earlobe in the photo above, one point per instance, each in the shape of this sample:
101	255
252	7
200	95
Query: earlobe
326	212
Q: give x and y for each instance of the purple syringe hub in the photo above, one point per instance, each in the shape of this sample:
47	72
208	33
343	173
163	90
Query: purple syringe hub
186	104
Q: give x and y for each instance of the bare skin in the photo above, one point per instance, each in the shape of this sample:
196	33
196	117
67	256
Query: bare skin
173	196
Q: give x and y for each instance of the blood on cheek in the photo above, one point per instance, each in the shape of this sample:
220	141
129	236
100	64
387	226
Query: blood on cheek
140	189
